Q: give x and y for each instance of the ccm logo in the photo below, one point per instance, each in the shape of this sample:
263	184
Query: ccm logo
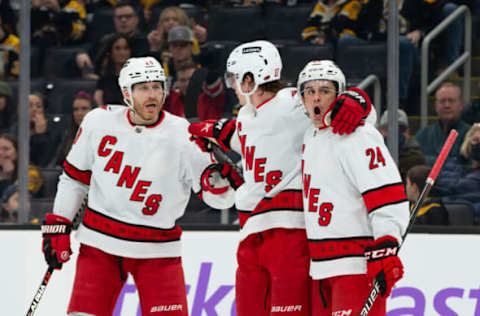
381	253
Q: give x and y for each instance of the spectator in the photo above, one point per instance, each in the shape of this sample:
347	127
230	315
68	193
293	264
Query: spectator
210	102
432	211
169	18
82	104
409	152
54	22
8	111
8	17
45	134
332	21
448	106
180	44
9	53
9	211
453	39
126	22
114	54
9	167
9	207
468	185
413	23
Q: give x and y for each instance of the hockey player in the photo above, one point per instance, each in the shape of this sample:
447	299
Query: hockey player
138	167
354	203
273	262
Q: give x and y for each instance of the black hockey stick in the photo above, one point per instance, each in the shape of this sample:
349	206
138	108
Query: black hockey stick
40	291
426	189
222	156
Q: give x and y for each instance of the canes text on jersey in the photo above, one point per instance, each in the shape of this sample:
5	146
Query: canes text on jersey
257	164
128	176
311	194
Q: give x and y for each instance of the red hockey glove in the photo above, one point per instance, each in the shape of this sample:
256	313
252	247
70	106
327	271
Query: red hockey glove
56	240
383	263
226	172
349	110
229	173
220	130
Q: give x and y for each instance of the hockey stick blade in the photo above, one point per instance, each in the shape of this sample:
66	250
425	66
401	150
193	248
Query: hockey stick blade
41	290
432	177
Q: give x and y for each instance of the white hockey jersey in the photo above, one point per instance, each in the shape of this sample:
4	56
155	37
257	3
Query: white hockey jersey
270	143
352	194
138	179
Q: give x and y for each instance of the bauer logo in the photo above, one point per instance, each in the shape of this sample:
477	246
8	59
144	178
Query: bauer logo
253	49
204	298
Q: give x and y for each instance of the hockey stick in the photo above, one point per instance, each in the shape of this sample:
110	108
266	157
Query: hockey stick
40	291
222	156
426	189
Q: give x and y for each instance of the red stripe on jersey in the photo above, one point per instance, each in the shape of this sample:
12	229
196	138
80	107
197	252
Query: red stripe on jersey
385	195
80	175
288	200
285	200
115	228
328	249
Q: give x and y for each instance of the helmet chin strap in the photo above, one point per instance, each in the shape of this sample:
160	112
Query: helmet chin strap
249	107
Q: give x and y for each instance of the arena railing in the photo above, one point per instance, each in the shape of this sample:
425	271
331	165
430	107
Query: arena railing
464	59
377	90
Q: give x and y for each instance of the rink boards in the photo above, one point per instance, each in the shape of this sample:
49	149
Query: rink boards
442	276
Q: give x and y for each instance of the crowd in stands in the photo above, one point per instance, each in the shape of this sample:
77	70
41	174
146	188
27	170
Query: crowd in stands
100	35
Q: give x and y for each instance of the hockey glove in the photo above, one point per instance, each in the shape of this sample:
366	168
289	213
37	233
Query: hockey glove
350	109
383	263
226	172
221	131
56	240
229	173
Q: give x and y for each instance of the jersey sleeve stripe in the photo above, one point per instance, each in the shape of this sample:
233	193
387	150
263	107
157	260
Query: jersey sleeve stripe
385	195
121	230
80	175
330	249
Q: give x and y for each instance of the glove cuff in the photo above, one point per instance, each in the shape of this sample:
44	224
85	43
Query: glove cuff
367	108
382	248
56	225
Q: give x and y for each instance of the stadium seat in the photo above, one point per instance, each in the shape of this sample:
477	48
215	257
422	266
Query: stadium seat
63	91
296	57
230	24
460	213
36	62
222	49
60	62
35	85
286	23
359	61
50	180
101	24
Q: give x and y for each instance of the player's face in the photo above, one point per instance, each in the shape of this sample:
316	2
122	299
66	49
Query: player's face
317	97
148	100
246	86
